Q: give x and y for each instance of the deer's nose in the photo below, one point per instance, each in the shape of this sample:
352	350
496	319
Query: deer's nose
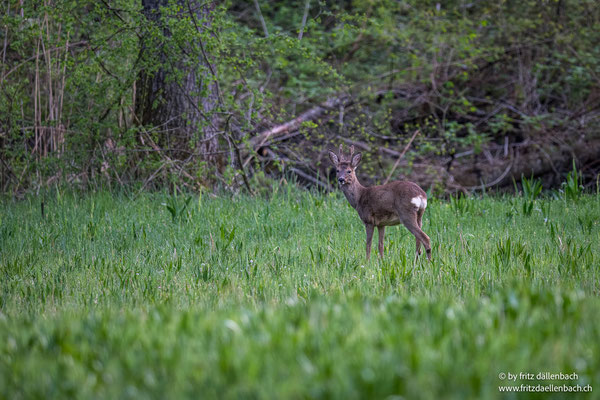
341	180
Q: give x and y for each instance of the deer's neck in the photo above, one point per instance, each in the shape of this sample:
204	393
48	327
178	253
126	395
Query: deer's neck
353	191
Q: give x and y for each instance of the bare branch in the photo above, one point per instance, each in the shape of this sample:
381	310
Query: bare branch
400	157
295	123
260	16
304	17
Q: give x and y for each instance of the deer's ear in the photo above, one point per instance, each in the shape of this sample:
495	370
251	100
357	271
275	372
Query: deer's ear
334	159
356	159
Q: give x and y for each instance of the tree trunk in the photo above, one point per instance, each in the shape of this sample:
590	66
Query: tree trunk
180	96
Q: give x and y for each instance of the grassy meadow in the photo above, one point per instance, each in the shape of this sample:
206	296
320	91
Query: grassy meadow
155	296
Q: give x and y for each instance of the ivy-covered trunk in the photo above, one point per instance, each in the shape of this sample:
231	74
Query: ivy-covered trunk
176	92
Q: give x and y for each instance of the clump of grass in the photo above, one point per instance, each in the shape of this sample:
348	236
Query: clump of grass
573	187
176	208
532	188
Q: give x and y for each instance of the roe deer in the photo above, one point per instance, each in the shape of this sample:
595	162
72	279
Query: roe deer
380	206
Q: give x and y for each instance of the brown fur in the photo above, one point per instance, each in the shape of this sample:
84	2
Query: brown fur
383	205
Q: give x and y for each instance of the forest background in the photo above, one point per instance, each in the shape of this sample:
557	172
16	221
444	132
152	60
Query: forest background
199	95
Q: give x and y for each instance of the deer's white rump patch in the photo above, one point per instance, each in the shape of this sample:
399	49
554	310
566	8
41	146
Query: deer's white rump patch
419	201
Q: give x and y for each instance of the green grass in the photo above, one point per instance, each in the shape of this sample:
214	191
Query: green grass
111	297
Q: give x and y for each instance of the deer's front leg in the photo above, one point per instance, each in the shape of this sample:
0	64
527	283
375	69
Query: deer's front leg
370	228
381	230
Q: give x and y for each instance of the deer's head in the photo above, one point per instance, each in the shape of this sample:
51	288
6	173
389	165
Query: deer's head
345	166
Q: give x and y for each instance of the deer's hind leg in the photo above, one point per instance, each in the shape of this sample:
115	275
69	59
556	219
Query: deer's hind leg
381	230
420	213
369	228
411	221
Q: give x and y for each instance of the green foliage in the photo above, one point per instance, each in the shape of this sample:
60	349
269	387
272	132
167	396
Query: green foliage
509	251
464	74
460	203
572	187
175	209
532	188
104	297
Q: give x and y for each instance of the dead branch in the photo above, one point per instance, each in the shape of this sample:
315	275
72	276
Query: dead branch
364	146
262	20
401	155
310	178
304	17
309	115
